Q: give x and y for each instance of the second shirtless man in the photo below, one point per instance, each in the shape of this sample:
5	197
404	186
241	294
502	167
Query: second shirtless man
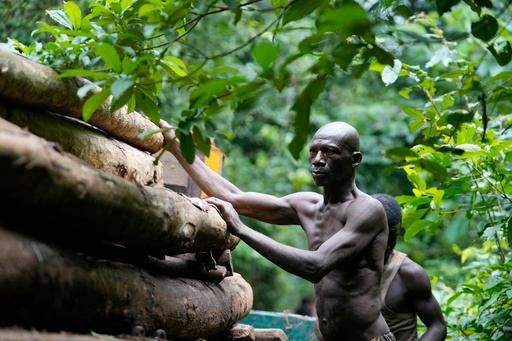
346	230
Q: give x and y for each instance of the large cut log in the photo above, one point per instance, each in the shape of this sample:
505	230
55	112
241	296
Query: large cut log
31	84
65	196
42	286
89	144
16	334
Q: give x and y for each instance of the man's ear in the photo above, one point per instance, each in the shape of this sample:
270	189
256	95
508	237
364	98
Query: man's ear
356	159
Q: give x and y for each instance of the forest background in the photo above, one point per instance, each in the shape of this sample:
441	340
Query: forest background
428	84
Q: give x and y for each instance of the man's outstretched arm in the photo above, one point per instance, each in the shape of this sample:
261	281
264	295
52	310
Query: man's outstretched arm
363	224
427	308
260	206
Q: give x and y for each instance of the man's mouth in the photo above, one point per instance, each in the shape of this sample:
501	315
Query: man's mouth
318	172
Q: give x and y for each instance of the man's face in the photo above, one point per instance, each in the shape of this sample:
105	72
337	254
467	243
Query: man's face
330	160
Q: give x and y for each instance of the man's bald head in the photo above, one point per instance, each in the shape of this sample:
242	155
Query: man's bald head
343	133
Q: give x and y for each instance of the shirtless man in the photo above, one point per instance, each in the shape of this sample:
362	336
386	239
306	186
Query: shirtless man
405	287
346	230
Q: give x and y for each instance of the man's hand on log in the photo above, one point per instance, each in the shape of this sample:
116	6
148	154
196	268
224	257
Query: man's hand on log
228	213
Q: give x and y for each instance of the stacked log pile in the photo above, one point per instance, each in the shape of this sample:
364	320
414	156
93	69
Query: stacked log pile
90	238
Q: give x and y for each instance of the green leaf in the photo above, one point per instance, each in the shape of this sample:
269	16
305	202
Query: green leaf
485	28
93	103
504	75
457	118
484	3
415	228
413	112
444	6
502	51
119	87
60	18
148	133
187	147
176	65
84	90
415	125
202	143
383	56
355	21
302	108
265	53
403	11
344	53
405	92
83	73
74	14
109	55
147	105
400	153
508	231
279	3
299	9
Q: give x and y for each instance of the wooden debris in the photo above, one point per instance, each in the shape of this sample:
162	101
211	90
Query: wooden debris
61	195
27	83
89	144
42	286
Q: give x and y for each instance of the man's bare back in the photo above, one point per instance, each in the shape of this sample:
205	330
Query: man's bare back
346	230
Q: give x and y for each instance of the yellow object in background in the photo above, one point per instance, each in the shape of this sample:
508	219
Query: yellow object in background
214	162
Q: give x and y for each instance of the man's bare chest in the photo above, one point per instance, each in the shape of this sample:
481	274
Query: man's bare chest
321	225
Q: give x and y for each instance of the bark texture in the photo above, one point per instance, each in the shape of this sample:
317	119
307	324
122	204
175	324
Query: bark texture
31	84
16	334
42	286
89	144
65	196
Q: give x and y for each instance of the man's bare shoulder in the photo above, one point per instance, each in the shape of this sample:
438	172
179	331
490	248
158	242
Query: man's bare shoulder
366	208
415	279
304	198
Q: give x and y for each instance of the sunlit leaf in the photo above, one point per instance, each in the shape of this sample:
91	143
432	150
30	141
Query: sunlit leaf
74	14
390	74
83	73
60	18
413	112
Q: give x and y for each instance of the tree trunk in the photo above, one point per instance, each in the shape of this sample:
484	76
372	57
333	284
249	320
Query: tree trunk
63	195
45	287
31	84
89	144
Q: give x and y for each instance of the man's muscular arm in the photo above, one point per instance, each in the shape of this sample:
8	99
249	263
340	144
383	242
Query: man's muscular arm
264	207
427	308
364	221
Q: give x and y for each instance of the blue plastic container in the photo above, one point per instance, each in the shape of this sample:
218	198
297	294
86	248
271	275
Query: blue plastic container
296	327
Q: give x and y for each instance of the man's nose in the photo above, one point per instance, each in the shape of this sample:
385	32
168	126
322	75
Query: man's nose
318	159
